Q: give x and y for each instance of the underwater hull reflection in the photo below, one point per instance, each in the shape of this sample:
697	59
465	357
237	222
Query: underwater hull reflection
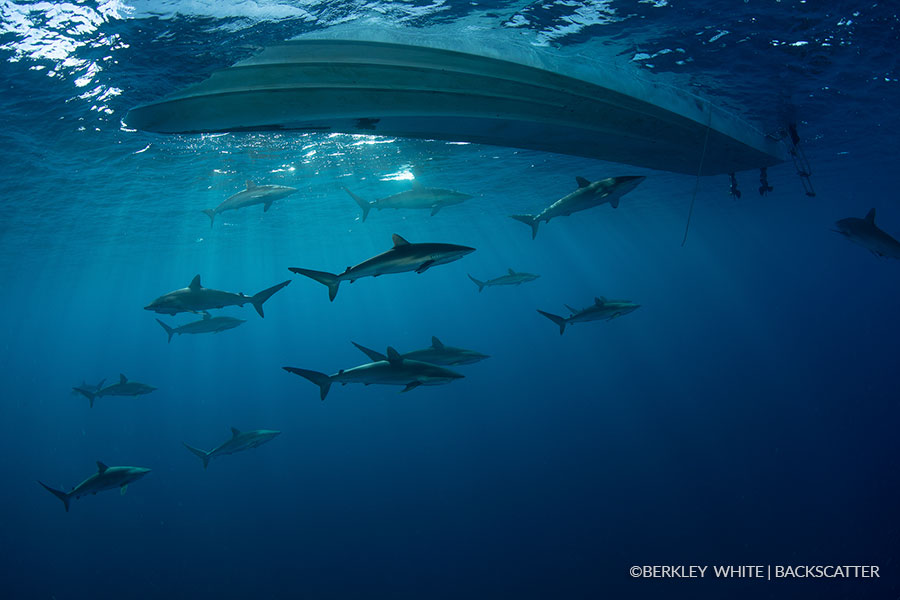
389	89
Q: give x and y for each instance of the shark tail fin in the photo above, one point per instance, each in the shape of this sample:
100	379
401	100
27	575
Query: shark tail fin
168	329
258	299
373	355
211	213
58	493
480	284
87	394
556	319
330	280
320	379
202	454
528	220
363	205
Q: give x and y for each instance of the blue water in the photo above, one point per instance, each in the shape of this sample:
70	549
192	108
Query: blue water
745	414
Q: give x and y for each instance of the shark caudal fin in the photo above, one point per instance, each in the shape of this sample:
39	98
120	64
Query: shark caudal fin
528	220
373	355
320	379
480	284
330	280
59	494
202	454
168	329
363	205
258	299
90	395
211	213
556	319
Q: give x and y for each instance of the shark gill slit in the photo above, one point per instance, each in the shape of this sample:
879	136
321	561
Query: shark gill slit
687	225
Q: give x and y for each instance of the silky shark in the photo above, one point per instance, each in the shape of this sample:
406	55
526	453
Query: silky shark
401	258
123	388
436	354
418	197
106	478
865	233
601	309
253	194
240	440
394	370
196	298
588	195
207	324
511	278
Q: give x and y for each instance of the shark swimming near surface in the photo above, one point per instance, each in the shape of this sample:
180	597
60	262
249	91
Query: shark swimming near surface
106	478
868	235
123	388
196	298
588	195
601	309
240	441
207	324
511	278
419	197
436	354
394	370
403	257
252	195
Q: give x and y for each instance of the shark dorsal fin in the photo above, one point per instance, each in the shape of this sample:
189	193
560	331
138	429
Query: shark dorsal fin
436	343
235	432
392	355
250	185
122	378
398	241
195	283
101	468
870	217
599	300
511	272
582	182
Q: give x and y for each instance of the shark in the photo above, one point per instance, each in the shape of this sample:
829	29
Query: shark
588	195
511	278
600	309
196	298
436	354
87	389
207	324
418	197
240	441
251	195
403	257
123	388
394	370
106	478
868	235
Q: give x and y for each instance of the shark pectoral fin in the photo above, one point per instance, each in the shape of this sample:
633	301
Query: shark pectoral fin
411	386
123	489
267	206
614	202
424	266
435	209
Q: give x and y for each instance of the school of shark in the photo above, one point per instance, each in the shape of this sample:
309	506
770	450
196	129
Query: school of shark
437	363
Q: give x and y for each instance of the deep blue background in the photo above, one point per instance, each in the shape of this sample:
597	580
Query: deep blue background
746	414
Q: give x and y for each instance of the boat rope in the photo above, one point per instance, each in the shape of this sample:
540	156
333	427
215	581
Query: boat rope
735	192
687	225
764	187
800	162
